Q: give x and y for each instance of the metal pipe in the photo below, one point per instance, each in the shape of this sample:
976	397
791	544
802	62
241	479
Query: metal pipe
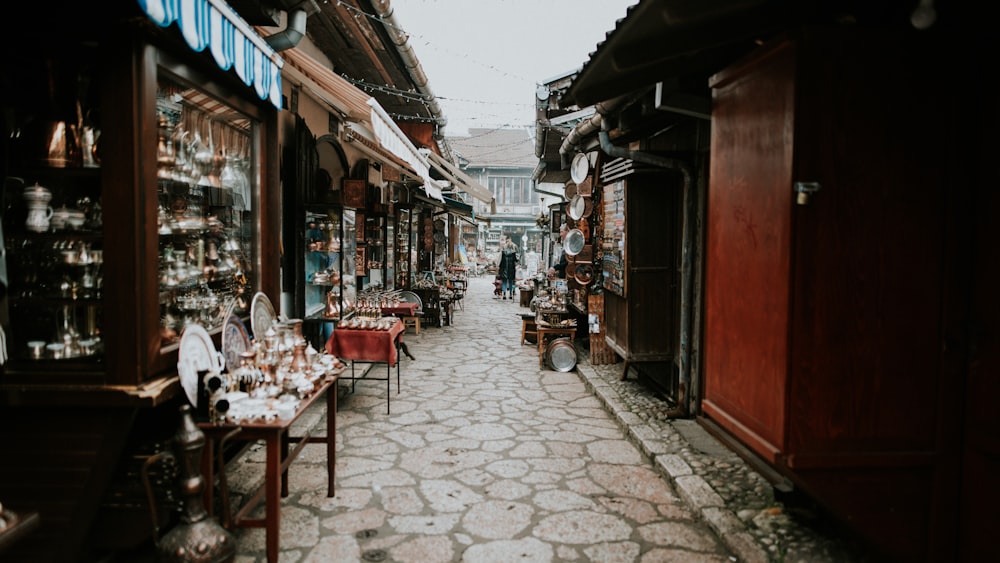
587	128
295	30
687	252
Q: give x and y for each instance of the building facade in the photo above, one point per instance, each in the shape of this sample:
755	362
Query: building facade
503	161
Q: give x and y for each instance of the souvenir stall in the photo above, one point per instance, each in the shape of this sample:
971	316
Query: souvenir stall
320	202
342	198
139	200
641	222
579	237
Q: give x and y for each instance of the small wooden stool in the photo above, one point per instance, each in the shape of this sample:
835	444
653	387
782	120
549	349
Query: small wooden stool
413	322
528	327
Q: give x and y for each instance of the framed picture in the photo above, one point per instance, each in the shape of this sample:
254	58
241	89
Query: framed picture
354	193
359	229
555	219
361	262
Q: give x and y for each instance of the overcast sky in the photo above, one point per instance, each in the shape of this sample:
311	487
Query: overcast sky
483	58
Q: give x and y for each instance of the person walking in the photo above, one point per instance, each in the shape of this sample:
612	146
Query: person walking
508	269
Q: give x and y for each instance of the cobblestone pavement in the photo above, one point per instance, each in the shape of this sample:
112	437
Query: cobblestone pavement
487	457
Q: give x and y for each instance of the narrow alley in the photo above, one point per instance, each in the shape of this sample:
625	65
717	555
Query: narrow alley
486	457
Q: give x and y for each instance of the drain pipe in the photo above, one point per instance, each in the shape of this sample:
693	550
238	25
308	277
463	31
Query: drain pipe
588	127
687	250
295	27
402	42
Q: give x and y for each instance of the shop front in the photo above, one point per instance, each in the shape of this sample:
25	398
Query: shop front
140	197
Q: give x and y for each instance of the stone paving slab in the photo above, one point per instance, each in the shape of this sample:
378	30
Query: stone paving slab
487	457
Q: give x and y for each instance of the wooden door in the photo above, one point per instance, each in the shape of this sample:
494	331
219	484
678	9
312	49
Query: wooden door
748	251
876	265
980	495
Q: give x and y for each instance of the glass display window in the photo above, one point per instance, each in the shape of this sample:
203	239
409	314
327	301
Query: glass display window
206	209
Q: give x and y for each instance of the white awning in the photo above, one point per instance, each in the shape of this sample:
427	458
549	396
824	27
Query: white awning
461	180
213	24
395	141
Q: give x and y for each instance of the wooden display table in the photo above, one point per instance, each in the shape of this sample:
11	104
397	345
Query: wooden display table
369	346
276	437
407	312
432	306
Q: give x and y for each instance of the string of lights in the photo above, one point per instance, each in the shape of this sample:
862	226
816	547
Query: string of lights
361	13
492	120
386	89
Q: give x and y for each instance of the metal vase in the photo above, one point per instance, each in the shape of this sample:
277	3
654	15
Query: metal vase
197	538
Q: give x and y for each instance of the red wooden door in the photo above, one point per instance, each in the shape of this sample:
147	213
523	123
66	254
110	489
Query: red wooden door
981	444
828	324
748	252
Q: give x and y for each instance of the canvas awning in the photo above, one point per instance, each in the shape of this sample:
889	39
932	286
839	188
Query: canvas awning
460	179
214	25
326	86
365	125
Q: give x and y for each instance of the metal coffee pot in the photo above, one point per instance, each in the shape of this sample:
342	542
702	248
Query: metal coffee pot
40	212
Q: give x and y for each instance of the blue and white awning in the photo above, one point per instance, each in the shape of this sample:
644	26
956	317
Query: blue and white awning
213	24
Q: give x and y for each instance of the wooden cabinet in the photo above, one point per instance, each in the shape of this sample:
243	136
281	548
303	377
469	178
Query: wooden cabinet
640	239
147	214
373	268
826	348
405	248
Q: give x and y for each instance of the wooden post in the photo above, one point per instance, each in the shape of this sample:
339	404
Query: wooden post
600	353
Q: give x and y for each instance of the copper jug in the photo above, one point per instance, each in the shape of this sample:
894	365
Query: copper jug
332	305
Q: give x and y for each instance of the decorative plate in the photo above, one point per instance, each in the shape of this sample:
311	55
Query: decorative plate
574	242
580	168
562	354
196	353
576	207
584	274
261	314
235	341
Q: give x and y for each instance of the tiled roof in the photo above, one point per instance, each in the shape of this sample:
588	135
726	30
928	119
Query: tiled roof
495	148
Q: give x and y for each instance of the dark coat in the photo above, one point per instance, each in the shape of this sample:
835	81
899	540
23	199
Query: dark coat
560	266
508	264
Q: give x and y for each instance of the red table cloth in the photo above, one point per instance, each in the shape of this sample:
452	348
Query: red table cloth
408	309
366	345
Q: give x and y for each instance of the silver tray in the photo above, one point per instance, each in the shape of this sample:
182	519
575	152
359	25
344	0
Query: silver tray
561	353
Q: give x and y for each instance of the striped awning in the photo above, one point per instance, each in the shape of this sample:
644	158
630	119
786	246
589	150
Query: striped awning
214	25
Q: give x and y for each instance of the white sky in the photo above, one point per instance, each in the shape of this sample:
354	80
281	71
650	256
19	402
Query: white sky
483	58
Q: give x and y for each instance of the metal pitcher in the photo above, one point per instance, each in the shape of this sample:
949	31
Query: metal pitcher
197	537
